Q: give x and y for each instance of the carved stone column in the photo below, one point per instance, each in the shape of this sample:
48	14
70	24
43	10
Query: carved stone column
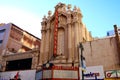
80	24
43	31
80	28
66	43
48	36
1	62
47	41
70	54
76	34
4	64
51	42
35	59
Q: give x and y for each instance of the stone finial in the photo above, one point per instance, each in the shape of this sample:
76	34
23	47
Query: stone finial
69	6
75	9
44	18
64	8
79	10
59	3
60	7
49	13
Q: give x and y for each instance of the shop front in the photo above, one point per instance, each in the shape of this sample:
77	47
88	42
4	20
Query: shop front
93	73
112	75
18	75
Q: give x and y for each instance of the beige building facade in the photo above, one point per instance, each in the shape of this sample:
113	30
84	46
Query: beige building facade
61	34
15	39
17	44
102	52
70	32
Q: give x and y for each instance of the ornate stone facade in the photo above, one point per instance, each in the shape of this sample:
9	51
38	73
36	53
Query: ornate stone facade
70	31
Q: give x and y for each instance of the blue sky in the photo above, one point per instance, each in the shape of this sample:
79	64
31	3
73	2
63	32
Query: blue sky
98	15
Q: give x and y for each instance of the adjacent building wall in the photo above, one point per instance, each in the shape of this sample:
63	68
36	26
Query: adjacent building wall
4	36
102	52
15	39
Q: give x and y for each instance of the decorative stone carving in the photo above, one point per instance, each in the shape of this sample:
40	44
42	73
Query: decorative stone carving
62	21
69	6
3	65
43	24
3	51
79	10
44	18
16	33
69	14
48	25
20	56
49	14
64	8
35	60
60	7
69	20
60	48
75	17
69	9
75	9
68	39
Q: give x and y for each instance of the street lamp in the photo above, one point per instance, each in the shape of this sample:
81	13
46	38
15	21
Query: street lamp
82	59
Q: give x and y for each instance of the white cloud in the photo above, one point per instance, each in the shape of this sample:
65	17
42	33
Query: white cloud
23	19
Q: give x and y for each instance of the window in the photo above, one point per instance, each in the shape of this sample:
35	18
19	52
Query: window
1	31
107	33
1	41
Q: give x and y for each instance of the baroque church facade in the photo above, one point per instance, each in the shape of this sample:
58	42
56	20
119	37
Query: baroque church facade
61	34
